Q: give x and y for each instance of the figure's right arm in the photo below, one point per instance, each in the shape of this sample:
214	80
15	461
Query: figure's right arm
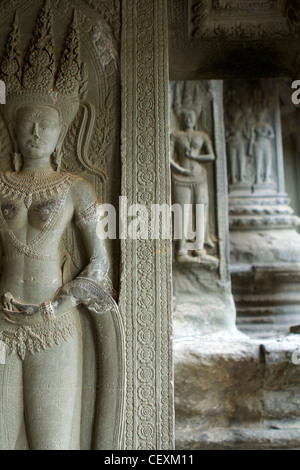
174	165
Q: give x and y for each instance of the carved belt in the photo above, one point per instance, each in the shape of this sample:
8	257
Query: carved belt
28	336
188	181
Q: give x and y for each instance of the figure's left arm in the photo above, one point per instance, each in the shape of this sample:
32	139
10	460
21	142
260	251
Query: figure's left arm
209	147
88	213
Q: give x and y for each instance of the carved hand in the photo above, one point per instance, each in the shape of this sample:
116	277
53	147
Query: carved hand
56	308
180	169
188	152
186	172
11	305
202	158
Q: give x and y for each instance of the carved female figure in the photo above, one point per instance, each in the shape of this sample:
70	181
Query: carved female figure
262	149
190	149
237	139
42	380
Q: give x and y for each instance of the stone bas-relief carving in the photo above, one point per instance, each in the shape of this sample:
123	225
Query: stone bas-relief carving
203	304
264	242
262	150
250	139
54	261
238	19
237	138
206	367
191	149
257	197
197	159
145	291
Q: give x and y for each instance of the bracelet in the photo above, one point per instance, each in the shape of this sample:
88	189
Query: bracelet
47	310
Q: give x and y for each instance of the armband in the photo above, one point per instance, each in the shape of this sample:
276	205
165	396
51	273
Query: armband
92	213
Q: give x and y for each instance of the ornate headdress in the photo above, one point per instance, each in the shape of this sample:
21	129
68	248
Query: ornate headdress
187	96
37	81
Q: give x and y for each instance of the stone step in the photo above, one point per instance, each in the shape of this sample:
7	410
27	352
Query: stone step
238	438
229	385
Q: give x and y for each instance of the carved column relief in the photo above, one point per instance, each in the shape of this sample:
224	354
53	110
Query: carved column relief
257	195
145	296
198	163
250	135
264	243
232	38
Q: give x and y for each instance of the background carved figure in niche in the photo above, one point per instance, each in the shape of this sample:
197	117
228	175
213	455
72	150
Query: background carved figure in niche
250	137
237	143
190	150
262	149
53	261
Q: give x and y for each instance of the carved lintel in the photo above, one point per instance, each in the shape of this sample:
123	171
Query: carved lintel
239	19
293	14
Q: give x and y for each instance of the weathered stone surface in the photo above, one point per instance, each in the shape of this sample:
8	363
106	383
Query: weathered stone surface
212	311
232	40
127	64
239	439
201	283
283	248
233	392
145	291
58	325
264	241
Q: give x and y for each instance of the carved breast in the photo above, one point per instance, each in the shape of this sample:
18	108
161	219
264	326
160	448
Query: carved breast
264	130
43	211
184	142
9	210
17	215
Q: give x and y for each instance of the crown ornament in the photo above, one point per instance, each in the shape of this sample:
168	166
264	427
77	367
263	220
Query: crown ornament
37	80
187	96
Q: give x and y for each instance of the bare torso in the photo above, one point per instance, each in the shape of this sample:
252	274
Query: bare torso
187	141
31	235
193	141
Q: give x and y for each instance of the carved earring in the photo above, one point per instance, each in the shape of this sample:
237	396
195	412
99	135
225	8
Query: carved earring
56	159
17	161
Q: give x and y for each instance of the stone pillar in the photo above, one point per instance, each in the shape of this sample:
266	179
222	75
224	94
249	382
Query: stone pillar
202	288
145	288
265	246
204	311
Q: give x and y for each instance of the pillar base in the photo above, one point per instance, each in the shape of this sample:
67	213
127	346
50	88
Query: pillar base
265	273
